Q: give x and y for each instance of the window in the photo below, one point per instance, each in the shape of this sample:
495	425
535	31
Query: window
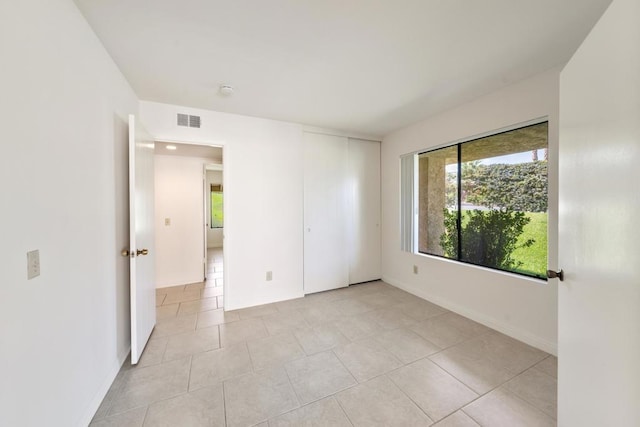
216	206
484	201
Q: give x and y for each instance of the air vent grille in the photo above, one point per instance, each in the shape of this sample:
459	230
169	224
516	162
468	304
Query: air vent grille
183	120
188	121
194	121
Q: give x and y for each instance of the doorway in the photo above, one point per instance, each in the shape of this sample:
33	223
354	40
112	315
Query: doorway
188	242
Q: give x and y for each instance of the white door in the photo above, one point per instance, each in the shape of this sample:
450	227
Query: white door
206	215
364	207
141	240
326	262
599	228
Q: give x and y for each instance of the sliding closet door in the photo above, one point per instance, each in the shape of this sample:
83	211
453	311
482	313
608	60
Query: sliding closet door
326	260
364	218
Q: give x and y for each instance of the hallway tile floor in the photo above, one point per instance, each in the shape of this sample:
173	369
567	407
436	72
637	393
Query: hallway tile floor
365	355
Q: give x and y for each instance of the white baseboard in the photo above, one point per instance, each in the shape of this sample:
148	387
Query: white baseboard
102	391
500	326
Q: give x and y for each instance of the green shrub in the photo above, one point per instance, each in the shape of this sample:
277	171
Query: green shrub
488	237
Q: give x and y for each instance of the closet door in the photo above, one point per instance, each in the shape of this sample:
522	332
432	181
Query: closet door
364	218
326	261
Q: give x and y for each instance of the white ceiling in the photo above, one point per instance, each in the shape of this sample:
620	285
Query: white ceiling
367	66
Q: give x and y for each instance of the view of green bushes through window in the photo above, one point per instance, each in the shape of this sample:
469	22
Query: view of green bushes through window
216	209
485	201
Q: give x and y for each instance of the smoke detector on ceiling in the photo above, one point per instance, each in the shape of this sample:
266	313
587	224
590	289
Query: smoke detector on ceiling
226	90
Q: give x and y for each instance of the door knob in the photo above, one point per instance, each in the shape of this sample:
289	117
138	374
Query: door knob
142	252
125	253
555	274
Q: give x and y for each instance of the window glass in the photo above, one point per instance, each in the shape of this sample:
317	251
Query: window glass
494	211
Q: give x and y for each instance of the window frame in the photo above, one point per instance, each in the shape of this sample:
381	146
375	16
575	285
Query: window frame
458	144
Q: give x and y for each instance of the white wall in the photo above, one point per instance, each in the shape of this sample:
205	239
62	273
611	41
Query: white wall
63	180
263	198
179	198
214	235
522	308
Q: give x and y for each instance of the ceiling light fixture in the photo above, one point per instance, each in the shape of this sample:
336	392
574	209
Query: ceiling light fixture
226	90
171	147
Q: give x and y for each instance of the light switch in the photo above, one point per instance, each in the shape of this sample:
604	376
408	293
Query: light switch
167	221
33	264
269	276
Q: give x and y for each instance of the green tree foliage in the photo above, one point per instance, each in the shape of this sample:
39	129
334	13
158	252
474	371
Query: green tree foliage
518	187
488	237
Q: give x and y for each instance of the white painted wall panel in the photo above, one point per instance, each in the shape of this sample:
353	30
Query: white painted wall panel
263	183
523	308
63	180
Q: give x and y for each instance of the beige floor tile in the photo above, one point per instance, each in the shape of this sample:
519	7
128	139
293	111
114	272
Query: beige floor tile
487	361
274	351
292	304
145	385
357	327
537	388
197	306
212	292
193	286
406	345
351	306
220	300
215	366
242	330
153	351
318	376
389	318
132	418
317	314
379	402
257	311
175	325
200	408
320	338
378	300
166	311
457	419
366	359
210	318
448	329
399	294
549	366
501	408
432	389
191	343
257	397
421	309
323	413
176	297
282	322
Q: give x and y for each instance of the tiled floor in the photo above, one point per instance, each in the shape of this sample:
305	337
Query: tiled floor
365	355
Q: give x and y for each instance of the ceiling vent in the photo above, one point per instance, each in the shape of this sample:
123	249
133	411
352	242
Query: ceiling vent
188	121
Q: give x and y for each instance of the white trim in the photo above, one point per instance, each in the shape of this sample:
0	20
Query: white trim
95	403
493	323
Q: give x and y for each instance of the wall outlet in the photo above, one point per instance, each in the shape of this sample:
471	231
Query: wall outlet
415	269
167	221
33	264
269	276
